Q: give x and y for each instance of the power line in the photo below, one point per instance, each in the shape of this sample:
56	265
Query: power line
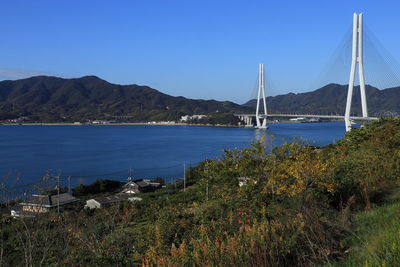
52	178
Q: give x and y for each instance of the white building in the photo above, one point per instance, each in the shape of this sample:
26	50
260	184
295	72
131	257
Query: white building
298	119
192	117
101	202
185	118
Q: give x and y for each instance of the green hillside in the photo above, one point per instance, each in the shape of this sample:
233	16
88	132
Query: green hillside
53	99
376	240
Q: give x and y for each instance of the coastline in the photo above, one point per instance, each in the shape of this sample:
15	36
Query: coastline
134	123
119	123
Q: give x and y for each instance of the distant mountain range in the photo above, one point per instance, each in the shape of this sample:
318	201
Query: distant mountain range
52	99
331	99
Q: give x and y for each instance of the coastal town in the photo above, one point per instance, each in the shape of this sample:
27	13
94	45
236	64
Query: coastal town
56	201
196	119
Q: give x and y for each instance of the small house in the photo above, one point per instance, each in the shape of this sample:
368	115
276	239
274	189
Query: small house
244	181
130	188
147	185
101	202
37	204
16	211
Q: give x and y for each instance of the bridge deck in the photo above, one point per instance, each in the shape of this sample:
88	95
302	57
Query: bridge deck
308	116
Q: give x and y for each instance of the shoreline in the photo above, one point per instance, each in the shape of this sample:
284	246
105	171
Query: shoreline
136	123
118	124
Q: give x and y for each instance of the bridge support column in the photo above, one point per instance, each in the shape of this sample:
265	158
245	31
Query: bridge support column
357	57
248	121
261	90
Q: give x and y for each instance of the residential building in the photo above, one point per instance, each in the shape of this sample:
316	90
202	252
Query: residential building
130	188
37	204
187	118
102	202
147	185
245	180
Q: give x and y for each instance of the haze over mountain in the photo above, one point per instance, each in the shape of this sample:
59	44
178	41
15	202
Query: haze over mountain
52	99
331	99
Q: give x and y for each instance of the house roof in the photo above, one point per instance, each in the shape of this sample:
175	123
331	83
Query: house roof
16	207
130	184
49	200
145	183
129	191
108	199
135	199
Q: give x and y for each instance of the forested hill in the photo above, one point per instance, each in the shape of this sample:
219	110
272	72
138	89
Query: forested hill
45	98
52	99
332	99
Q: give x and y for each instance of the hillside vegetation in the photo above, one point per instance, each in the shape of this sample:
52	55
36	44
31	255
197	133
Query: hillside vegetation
52	99
376	240
300	206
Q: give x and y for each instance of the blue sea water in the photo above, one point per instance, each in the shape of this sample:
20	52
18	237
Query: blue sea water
88	152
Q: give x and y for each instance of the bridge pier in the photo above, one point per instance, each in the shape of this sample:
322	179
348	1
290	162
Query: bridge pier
247	120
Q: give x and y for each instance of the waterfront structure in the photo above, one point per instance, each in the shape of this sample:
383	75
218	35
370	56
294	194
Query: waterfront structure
298	119
187	118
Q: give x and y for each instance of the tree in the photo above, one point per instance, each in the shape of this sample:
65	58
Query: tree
159	180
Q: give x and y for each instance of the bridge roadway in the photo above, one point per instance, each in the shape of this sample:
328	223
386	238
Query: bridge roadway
307	116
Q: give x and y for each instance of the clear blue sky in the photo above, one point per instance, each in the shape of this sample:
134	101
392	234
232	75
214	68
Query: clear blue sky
194	48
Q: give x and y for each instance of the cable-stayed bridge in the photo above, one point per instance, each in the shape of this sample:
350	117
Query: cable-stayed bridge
357	65
277	115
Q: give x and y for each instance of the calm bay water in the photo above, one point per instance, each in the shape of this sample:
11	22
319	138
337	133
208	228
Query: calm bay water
87	153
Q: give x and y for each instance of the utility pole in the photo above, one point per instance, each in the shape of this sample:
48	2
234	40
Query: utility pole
207	176
184	177
207	191
58	193
69	184
129	175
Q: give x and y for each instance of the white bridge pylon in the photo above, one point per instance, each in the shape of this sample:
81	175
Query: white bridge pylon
261	91
357	57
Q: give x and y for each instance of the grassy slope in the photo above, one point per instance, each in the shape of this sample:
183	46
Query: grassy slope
376	241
